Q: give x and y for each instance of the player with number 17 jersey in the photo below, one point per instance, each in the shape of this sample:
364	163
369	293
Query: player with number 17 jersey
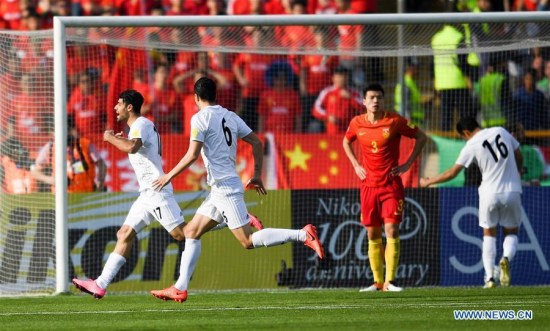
218	129
379	143
147	161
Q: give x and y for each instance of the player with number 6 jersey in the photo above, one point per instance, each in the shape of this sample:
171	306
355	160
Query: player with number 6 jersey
215	132
500	161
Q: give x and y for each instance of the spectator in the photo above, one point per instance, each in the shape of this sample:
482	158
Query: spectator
10	12
85	168
164	102
409	103
337	104
249	70
450	75
87	103
543	85
351	40
15	174
295	37
279	106
80	57
530	105
316	72
493	93
216	7
30	109
321	7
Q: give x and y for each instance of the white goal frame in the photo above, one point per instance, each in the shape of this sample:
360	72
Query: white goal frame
60	75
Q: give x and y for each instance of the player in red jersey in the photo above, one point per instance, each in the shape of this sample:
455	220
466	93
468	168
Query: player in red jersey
382	195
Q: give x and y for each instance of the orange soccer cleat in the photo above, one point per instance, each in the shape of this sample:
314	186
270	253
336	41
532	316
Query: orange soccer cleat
312	241
255	222
170	293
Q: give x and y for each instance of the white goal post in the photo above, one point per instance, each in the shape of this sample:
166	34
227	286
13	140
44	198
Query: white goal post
60	75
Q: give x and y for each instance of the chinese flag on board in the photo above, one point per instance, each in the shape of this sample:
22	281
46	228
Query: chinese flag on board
312	161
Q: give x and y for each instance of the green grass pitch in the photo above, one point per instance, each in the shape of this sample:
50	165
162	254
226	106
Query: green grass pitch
331	309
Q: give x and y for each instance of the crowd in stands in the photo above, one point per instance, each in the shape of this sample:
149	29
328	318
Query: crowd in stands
273	93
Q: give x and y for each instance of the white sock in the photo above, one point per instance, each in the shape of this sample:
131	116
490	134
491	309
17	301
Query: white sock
510	246
189	258
489	255
272	237
111	268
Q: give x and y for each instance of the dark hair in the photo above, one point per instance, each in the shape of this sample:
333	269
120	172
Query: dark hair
467	123
341	70
205	89
134	98
373	87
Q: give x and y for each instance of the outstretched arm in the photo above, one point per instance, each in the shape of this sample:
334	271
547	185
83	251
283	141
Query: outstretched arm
445	176
258	153
193	153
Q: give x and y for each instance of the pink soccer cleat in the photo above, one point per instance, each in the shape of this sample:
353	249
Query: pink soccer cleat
89	286
312	241
255	222
170	293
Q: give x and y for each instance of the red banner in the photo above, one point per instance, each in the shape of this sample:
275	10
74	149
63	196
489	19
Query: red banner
293	161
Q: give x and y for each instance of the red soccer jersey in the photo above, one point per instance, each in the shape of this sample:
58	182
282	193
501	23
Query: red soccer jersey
319	71
88	111
338	103
379	145
254	67
279	109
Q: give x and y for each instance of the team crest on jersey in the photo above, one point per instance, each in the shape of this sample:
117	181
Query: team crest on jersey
194	132
386	133
133	134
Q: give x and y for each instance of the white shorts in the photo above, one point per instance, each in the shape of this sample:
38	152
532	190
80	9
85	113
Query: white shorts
153	205
225	203
502	209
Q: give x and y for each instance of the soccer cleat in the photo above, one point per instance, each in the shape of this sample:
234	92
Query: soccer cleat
89	286
373	288
391	287
312	241
490	283
504	272
170	293
255	222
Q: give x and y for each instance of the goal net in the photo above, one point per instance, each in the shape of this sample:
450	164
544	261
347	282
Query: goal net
297	81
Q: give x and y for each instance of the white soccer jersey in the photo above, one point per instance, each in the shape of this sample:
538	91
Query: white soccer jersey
218	129
493	151
147	161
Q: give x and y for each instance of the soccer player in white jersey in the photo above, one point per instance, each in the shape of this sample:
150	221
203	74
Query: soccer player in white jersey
499	159
214	134
143	146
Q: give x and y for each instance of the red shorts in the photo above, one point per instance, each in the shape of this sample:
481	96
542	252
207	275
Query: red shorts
379	204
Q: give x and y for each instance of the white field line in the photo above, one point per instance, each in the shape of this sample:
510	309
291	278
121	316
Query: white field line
184	309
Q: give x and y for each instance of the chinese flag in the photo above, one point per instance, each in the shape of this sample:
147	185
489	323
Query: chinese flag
312	161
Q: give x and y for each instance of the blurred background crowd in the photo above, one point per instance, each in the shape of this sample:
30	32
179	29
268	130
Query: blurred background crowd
314	93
